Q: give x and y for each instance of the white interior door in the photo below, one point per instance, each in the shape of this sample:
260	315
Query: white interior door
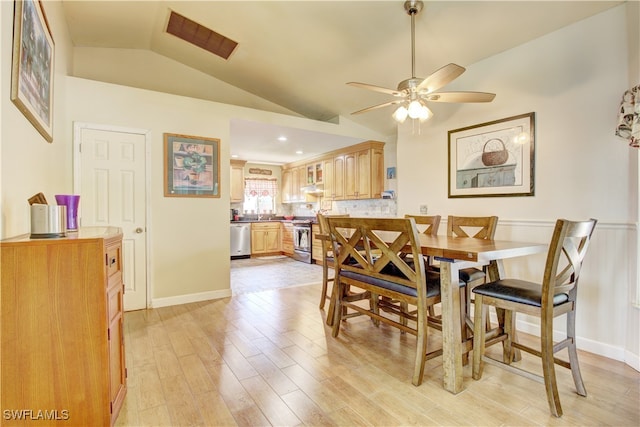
111	175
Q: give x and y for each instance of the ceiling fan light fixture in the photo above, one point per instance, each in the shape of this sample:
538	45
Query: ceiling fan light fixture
415	92
425	113
400	115
415	108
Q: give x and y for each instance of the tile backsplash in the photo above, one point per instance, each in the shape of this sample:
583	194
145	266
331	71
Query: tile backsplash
361	208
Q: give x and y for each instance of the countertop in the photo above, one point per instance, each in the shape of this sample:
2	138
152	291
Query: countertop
276	219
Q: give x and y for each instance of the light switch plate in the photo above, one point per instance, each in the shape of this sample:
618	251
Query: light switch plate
423	209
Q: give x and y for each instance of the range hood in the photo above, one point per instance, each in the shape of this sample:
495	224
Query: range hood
313	189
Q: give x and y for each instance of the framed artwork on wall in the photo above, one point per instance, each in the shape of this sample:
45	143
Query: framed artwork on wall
191	166
493	159
32	66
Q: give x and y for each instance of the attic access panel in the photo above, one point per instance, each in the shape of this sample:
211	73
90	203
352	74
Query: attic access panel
199	35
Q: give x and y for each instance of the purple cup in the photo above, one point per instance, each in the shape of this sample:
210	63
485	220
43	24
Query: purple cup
71	201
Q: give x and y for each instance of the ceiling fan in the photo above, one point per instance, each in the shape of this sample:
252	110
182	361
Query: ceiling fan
413	93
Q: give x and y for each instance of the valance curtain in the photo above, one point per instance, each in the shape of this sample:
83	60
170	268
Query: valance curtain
261	187
629	117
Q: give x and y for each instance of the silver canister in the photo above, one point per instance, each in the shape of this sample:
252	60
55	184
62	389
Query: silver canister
48	221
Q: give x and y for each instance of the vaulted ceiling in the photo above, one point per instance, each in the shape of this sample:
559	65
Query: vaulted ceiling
299	54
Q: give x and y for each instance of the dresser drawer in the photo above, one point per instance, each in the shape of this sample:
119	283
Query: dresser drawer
114	260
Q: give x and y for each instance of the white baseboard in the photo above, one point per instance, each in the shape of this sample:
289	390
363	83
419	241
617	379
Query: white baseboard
188	298
595	347
632	360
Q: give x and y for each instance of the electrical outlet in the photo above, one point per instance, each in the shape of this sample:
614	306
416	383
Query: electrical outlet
423	209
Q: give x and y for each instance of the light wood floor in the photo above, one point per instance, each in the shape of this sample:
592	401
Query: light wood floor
267	358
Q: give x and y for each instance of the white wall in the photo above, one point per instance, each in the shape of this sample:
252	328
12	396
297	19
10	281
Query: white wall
573	79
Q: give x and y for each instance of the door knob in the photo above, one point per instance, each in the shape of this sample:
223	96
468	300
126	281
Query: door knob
139	230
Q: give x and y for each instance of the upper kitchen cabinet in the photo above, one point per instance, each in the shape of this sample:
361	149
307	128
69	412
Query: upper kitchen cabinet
355	172
358	173
314	173
237	180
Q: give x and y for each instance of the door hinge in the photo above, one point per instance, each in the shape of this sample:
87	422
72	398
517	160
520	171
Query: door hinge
108	334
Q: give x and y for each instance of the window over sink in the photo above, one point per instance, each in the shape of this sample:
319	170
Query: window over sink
260	195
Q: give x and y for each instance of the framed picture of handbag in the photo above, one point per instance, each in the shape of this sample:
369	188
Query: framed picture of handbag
32	66
493	159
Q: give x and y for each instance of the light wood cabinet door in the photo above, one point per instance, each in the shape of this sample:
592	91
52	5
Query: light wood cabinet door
338	178
316	245
350	176
237	181
287	195
377	173
287	238
363	174
328	178
265	238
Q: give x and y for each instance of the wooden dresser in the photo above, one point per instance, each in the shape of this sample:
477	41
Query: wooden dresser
62	329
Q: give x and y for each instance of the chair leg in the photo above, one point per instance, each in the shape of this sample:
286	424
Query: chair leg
332	302
373	306
501	314
464	313
325	281
339	292
548	366
404	307
573	354
479	318
509	330
421	351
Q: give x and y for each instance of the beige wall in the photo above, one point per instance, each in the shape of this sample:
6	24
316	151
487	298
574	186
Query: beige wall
573	79
29	163
189	253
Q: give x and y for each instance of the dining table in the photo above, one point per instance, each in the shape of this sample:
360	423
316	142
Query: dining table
453	254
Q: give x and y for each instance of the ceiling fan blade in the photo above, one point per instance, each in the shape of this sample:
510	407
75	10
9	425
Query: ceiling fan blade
375	107
377	88
440	77
460	97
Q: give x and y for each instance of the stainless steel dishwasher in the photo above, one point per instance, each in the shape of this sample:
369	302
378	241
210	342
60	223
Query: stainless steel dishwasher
240	240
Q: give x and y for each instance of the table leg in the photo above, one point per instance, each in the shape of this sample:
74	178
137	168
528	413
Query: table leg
451	331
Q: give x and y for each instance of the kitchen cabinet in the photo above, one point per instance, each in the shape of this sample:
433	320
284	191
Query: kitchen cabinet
328	178
287	238
338	178
265	238
287	195
237	181
293	179
314	173
355	172
62	326
316	245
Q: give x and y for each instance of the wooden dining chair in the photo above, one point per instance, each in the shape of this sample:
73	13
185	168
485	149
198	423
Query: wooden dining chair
368	256
327	257
328	264
429	225
477	227
555	296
